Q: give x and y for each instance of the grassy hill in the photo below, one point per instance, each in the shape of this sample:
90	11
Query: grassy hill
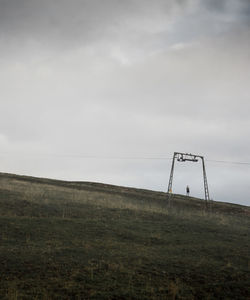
82	240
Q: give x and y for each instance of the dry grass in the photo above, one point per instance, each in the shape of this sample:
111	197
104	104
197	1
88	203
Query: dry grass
62	240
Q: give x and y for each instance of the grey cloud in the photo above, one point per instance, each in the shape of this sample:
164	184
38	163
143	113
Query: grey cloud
47	24
35	29
62	20
239	8
216	5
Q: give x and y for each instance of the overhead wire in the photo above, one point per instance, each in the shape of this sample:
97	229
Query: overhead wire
229	162
119	157
90	156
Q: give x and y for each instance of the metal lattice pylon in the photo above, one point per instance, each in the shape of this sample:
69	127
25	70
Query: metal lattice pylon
182	157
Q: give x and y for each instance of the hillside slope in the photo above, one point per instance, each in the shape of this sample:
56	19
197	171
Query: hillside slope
82	240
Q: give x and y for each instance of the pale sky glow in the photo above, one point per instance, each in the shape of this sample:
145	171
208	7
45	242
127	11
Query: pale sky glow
127	78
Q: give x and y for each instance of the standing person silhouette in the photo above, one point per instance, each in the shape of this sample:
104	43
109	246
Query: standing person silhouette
187	190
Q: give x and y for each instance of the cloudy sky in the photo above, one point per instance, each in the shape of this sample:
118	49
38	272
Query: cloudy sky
101	90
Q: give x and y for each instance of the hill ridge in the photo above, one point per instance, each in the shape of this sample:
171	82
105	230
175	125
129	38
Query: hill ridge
159	198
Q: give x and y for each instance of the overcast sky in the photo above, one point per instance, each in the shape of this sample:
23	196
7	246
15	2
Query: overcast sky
89	88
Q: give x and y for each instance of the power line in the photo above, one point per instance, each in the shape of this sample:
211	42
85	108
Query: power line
229	162
90	156
118	157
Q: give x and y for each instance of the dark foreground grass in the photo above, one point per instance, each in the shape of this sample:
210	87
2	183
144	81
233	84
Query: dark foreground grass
98	252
